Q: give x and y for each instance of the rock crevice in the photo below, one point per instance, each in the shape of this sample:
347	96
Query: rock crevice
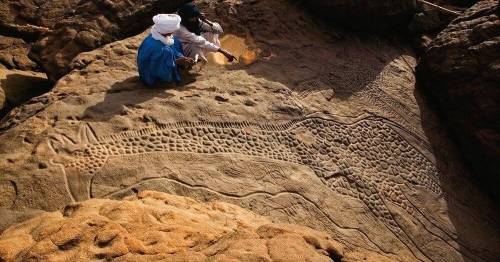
461	70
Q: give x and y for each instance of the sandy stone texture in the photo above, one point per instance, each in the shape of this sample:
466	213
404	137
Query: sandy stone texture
14	54
156	226
316	126
17	87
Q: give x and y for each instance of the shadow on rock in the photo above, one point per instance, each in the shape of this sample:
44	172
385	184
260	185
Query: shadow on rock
466	204
17	88
304	53
129	93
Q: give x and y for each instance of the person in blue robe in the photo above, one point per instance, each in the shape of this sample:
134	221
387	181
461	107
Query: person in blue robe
160	54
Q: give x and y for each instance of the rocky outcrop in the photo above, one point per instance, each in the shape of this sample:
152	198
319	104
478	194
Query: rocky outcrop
366	14
459	3
20	79
92	24
158	226
28	19
429	20
321	129
17	87
461	68
14	54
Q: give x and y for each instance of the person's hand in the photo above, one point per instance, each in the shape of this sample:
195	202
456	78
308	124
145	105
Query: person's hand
185	61
230	57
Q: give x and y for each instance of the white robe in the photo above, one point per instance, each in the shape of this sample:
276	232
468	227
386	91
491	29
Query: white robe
195	46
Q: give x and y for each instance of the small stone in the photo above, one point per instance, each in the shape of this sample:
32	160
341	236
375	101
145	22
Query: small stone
221	98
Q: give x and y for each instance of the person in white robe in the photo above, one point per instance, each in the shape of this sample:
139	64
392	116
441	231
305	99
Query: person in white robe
199	35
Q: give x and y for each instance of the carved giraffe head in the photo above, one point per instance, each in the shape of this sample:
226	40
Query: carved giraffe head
67	148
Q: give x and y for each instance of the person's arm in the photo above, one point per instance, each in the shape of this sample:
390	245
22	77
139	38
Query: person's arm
165	68
169	71
180	59
230	57
186	36
211	27
184	61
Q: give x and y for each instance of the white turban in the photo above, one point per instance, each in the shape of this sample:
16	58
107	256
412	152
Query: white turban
166	23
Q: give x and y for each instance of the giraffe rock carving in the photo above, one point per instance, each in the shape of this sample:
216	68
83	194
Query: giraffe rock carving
367	159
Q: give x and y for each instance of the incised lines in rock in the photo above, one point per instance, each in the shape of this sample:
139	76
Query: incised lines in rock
366	159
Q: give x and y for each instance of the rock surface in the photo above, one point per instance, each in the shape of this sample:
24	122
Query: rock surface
92	24
29	19
315	127
455	3
461	68
156	226
429	20
14	54
17	87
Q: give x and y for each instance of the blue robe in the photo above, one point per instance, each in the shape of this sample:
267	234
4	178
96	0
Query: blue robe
156	61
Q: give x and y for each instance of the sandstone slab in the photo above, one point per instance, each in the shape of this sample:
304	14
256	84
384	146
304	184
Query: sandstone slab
17	87
329	134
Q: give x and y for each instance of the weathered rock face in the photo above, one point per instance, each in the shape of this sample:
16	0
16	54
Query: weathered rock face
29	19
371	14
94	23
461	68
17	87
14	54
320	129
429	21
156	226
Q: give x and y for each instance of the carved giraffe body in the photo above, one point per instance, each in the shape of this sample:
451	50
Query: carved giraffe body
367	159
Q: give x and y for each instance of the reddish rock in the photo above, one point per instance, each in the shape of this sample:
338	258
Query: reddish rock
337	140
156	226
14	54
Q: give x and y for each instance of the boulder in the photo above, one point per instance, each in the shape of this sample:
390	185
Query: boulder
156	226
92	24
428	22
29	19
14	54
461	69
17	87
